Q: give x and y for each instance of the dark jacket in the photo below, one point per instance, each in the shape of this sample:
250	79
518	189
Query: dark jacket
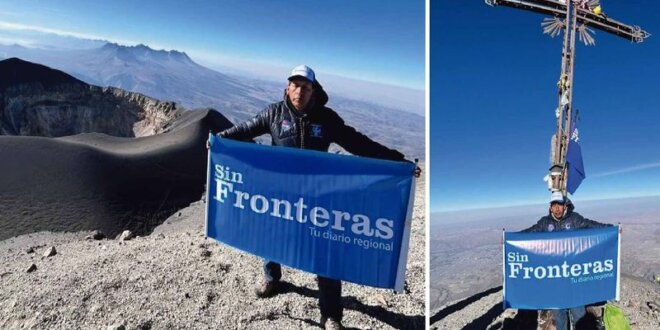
571	220
315	128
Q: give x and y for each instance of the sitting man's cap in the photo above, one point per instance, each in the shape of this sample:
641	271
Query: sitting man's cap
303	71
557	197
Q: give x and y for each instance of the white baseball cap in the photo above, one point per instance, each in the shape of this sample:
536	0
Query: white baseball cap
303	71
557	197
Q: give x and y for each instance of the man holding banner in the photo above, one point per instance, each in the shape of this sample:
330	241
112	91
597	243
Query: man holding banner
562	217
302	121
565	268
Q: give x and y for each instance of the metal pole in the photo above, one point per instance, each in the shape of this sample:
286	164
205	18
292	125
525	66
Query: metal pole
569	109
563	85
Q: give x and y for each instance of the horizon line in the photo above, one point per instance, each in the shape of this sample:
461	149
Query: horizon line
539	203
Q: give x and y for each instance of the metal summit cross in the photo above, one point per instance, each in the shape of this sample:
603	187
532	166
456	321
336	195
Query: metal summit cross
566	15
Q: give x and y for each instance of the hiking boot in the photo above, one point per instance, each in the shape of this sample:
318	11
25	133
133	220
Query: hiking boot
546	321
597	312
266	288
331	324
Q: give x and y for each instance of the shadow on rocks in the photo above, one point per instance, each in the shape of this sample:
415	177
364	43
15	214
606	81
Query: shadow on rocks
395	320
483	321
527	320
462	304
524	320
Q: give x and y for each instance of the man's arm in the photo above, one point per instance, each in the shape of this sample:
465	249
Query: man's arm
359	144
250	129
583	222
537	227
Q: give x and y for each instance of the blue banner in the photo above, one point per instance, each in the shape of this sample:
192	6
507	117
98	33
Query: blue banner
563	269
339	216
574	162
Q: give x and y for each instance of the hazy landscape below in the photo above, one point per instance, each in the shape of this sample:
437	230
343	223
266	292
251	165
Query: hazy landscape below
466	253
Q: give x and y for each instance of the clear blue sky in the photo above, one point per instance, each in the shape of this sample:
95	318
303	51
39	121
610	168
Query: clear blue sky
493	96
372	40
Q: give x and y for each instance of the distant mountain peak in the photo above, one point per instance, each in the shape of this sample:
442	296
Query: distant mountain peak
143	51
110	45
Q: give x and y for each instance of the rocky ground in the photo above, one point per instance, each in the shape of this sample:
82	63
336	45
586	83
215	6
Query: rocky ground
176	279
640	301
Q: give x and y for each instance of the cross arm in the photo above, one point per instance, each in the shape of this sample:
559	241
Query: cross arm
558	9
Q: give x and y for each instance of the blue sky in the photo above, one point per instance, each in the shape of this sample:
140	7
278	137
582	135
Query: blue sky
381	41
493	96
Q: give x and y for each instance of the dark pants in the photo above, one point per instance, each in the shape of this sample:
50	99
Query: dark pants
329	291
561	318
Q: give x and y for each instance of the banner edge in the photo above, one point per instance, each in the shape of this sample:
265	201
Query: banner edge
405	241
208	187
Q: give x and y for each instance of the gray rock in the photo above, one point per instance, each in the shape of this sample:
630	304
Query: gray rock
29	250
97	235
116	327
32	268
50	252
126	235
379	299
146	325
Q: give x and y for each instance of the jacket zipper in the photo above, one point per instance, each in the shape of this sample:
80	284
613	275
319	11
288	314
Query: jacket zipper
302	133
